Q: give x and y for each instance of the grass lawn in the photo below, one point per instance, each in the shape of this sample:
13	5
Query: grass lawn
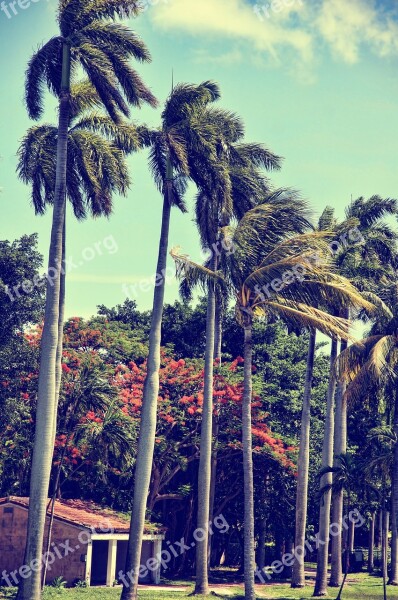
360	587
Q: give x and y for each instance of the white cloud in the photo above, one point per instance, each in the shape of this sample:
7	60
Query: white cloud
301	26
236	20
350	26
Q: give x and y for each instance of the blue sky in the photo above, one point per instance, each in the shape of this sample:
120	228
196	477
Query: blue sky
316	81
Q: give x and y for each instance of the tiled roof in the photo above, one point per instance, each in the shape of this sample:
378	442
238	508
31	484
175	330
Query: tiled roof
88	514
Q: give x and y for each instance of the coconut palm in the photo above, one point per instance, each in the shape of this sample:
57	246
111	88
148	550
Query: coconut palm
89	38
185	146
366	264
259	260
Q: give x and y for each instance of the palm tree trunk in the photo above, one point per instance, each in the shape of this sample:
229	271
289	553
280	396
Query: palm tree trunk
204	481
371	542
30	588
298	576
58	379
394	504
61	318
218	331
262	538
384	546
346	550
326	481
146	441
249	557
351	536
340	447
218	357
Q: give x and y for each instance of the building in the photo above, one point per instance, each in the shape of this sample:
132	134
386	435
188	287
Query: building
88	543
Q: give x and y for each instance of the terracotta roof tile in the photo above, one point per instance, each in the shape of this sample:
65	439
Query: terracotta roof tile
88	514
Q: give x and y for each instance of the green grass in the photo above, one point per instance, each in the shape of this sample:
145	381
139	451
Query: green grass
360	587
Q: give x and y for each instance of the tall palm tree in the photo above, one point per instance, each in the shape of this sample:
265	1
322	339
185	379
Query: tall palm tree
262	253
89	38
366	264
246	189
93	139
185	146
370	363
96	169
326	224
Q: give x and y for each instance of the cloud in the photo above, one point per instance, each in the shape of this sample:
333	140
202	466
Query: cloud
272	27
349	26
235	20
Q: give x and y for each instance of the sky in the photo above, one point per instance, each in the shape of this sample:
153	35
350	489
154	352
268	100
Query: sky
314	80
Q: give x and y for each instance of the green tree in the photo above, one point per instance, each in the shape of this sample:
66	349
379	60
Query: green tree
19	268
256	261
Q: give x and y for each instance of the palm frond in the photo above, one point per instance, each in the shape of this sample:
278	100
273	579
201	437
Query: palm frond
302	315
194	273
38	73
125	136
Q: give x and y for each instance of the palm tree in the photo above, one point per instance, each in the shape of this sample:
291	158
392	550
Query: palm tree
93	139
372	362
328	222
262	253
365	264
246	189
328	225
185	146
90	39
382	466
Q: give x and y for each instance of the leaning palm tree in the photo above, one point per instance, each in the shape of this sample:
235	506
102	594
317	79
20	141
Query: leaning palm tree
89	38
185	146
258	261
